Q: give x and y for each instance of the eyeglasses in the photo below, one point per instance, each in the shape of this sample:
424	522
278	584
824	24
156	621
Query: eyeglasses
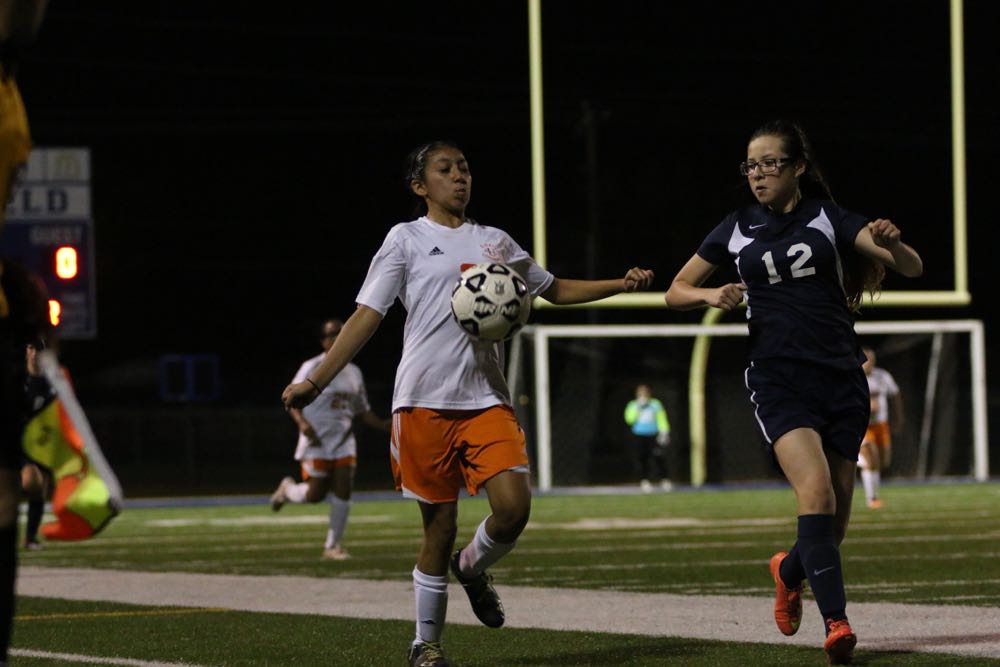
769	165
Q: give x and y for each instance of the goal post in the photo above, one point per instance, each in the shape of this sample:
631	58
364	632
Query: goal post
538	381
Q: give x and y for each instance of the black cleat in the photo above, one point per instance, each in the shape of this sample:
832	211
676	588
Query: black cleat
484	599
426	654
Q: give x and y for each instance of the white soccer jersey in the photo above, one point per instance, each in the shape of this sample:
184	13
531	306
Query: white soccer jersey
881	385
419	262
332	413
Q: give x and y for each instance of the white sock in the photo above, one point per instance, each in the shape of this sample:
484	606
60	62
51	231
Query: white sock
481	552
870	479
296	493
431	595
339	509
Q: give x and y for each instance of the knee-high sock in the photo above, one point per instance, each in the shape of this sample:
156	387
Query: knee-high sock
296	493
482	552
871	479
791	571
36	508
820	557
8	573
431	595
339	509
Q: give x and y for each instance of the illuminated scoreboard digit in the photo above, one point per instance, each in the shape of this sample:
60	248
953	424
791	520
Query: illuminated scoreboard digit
50	229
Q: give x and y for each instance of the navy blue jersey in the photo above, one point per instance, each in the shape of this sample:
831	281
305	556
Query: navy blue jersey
792	266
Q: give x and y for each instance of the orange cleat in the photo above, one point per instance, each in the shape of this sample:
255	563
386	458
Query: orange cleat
787	601
874	504
840	642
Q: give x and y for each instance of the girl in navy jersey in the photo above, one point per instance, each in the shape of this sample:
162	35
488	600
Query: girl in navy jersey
453	425
804	264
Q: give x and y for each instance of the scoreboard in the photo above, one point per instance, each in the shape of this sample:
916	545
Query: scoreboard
50	230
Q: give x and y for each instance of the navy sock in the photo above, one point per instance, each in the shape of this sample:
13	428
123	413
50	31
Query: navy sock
791	571
820	557
36	508
8	571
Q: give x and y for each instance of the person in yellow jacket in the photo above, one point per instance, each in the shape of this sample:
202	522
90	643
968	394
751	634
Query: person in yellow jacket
650	435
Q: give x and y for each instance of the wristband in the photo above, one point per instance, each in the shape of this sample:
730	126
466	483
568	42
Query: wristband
318	390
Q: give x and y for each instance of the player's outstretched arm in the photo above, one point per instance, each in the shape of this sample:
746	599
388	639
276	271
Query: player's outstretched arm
880	240
356	331
686	292
565	291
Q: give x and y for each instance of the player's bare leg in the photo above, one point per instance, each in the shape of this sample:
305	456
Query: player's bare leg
341	485
430	581
818	479
510	501
871	464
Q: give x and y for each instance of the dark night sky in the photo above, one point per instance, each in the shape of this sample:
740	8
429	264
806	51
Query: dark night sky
246	167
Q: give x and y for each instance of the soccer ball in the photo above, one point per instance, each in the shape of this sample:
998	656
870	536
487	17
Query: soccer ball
490	302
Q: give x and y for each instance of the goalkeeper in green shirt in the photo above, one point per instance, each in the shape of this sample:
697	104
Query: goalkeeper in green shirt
650	435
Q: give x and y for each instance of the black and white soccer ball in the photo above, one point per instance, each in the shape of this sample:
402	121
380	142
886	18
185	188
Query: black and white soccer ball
491	301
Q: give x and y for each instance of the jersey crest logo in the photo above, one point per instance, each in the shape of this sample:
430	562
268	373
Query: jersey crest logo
499	251
436	251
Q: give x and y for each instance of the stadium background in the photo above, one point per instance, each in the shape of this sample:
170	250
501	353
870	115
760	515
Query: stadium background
246	167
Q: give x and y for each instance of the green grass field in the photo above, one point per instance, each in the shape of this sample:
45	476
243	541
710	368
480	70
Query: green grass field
934	544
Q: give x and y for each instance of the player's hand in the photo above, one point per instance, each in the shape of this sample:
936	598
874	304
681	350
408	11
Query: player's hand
310	433
726	297
663	439
638	279
298	395
884	233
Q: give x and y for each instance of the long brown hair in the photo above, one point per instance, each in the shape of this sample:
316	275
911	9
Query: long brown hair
861	274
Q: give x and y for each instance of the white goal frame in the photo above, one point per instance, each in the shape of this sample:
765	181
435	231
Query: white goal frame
541	333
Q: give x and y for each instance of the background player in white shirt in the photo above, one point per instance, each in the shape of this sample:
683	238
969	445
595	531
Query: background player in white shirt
452	420
326	448
876	448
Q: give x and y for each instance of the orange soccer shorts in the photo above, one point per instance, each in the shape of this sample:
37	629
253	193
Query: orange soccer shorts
323	467
435	451
878	434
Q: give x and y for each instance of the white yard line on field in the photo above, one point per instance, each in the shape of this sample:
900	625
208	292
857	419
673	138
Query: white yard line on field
93	659
961	630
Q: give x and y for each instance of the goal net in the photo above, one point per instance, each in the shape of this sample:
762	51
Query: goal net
570	385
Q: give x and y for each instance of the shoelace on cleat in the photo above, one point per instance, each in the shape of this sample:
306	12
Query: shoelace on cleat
431	651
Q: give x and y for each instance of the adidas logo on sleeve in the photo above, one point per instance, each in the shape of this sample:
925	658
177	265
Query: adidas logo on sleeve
436	251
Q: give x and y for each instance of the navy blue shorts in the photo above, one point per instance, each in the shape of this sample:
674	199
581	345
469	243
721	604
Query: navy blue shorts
787	394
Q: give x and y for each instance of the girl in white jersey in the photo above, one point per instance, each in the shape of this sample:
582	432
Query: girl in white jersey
452	420
876	447
326	447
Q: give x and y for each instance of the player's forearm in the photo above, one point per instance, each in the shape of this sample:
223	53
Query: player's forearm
907	260
356	331
564	291
297	417
684	296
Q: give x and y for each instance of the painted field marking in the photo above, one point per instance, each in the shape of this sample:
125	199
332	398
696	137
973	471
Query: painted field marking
262	520
94	659
886	626
120	614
